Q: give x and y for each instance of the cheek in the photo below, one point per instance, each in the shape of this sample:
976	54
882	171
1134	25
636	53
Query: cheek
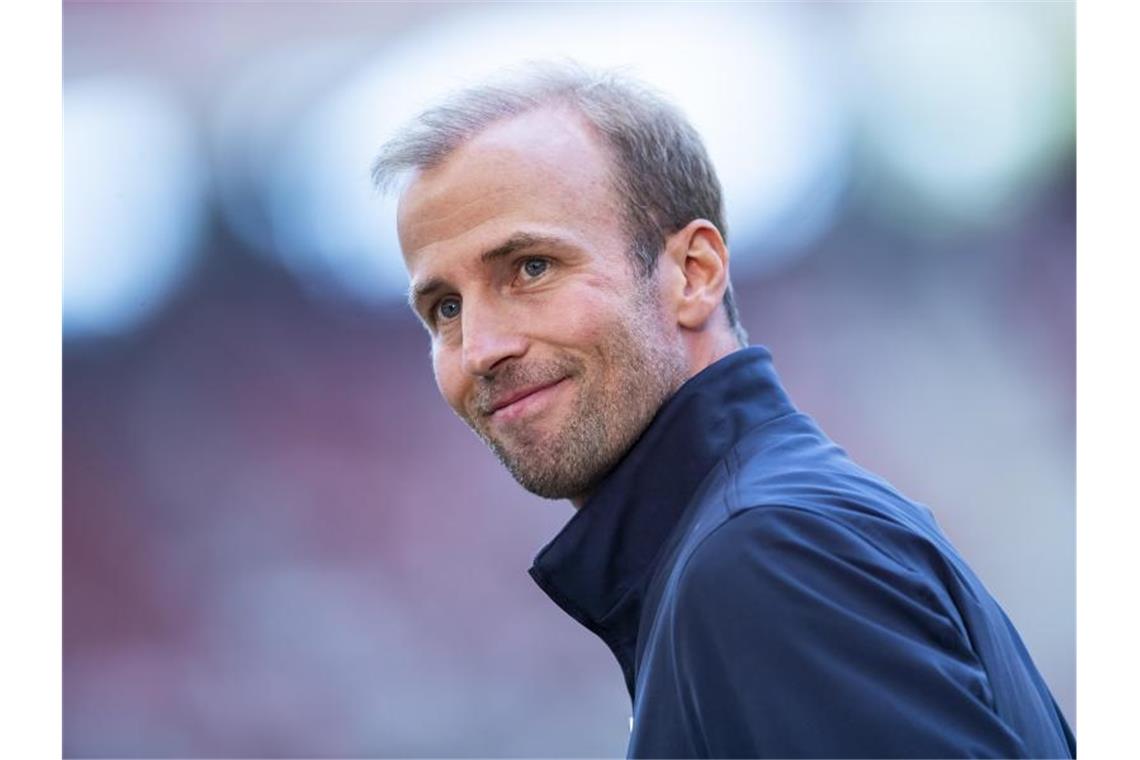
585	316
448	378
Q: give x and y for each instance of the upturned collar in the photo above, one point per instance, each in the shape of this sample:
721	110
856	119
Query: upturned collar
598	566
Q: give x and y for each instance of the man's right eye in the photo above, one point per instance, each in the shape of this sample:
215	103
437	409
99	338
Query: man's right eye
447	308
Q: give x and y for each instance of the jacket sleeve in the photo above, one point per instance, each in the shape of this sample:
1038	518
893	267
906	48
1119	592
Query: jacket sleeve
795	636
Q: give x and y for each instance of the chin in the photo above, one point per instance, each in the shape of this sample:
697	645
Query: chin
546	471
554	488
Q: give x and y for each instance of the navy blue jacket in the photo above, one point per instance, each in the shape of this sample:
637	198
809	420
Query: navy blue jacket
767	597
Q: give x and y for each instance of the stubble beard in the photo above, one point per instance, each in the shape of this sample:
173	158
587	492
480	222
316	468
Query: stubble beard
611	409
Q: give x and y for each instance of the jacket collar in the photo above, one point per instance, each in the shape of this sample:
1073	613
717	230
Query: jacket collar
597	567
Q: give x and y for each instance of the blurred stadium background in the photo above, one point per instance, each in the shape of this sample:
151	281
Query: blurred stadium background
277	539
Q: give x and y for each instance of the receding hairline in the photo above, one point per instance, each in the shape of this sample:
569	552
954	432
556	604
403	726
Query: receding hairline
610	167
437	131
401	180
556	104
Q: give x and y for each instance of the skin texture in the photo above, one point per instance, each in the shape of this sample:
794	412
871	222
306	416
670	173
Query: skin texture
520	270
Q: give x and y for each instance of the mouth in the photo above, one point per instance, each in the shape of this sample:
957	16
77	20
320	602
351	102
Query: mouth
524	400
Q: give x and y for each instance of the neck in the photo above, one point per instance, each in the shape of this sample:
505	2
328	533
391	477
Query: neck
704	349
707	347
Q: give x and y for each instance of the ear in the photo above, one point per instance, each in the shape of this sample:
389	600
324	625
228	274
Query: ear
699	260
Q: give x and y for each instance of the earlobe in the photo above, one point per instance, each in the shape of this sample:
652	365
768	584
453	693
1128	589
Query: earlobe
702	258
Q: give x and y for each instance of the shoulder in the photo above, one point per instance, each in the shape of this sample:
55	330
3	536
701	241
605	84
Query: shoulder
804	637
775	566
752	553
771	539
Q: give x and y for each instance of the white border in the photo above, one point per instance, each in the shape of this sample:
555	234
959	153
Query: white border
31	200
1108	210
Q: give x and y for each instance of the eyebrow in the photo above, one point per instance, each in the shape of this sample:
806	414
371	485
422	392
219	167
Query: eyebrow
517	242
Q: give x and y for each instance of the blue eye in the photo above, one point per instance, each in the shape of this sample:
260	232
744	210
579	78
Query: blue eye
535	267
448	308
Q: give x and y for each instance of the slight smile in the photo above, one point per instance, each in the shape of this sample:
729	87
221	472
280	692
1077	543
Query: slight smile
525	401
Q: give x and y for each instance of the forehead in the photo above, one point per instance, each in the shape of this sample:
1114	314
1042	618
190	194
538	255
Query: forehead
542	171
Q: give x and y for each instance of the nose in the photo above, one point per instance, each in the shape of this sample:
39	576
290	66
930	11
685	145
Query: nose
490	336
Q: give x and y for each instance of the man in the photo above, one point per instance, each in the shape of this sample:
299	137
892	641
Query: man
763	594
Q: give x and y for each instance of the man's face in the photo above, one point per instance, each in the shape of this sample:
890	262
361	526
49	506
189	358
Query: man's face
545	340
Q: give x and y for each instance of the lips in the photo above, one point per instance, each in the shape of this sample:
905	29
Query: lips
508	399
